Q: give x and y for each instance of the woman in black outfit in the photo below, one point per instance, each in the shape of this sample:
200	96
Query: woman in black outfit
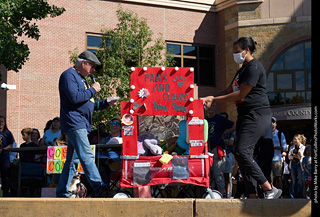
248	91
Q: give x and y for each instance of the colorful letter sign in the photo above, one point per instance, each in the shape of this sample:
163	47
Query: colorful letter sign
56	158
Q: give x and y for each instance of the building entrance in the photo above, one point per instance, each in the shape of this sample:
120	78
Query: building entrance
293	127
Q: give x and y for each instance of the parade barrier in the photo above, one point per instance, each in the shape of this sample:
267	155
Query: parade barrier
138	207
253	207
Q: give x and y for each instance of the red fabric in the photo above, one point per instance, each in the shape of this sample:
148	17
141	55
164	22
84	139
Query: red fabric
162	173
220	151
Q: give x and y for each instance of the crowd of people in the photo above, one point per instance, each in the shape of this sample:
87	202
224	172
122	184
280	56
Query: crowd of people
286	165
52	136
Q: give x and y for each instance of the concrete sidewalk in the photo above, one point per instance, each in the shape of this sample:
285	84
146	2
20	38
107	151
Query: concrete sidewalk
135	207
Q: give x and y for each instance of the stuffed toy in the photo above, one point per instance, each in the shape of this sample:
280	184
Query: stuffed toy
153	146
148	145
183	139
170	145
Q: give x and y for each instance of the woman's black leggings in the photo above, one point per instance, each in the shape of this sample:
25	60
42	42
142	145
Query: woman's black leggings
250	128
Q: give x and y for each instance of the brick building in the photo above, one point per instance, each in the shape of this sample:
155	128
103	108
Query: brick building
200	33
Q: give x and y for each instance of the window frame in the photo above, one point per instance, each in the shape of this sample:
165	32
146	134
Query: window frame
91	48
182	56
282	71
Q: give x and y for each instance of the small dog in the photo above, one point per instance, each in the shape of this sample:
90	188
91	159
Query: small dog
178	107
77	189
159	107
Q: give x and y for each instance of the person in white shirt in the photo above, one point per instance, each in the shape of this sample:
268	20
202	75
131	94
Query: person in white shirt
295	156
50	136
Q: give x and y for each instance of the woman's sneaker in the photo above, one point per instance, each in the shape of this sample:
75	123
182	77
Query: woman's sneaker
274	193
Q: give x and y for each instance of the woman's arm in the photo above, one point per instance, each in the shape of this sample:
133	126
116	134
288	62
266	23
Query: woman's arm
230	97
235	96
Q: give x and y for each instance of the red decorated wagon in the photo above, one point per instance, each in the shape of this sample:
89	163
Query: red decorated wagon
164	91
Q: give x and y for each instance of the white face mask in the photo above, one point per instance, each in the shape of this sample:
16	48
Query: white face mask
238	57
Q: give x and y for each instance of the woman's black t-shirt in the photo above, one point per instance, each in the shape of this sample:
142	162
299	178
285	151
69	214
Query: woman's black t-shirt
252	74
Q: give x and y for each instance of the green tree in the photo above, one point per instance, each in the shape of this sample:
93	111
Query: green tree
18	18
129	44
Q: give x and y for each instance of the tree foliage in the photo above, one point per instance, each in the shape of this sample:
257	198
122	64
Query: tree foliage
130	44
18	18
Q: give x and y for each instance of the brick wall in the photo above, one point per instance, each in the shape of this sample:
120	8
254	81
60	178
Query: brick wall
36	99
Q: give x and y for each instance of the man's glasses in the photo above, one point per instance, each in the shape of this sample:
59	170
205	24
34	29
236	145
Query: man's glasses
114	123
91	64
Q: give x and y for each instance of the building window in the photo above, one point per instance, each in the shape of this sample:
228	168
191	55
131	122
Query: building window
289	78
198	56
185	55
93	42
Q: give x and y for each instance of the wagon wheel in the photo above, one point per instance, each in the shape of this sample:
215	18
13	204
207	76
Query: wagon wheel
212	194
120	194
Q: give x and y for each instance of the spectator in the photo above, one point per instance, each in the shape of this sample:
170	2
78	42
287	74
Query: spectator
93	135
36	139
51	134
295	156
109	161
26	136
6	142
286	175
13	155
49	138
229	146
218	127
115	127
14	172
241	188
48	125
307	170
35	136
62	140
280	145
31	172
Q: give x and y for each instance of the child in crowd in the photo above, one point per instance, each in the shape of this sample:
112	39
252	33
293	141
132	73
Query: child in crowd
306	165
26	136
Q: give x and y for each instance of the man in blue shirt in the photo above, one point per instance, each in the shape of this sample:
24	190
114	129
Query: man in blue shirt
76	108
280	145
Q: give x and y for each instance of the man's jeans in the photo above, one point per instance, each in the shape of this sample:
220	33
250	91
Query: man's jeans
78	145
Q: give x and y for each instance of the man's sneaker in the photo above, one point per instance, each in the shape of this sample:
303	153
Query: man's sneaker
274	193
